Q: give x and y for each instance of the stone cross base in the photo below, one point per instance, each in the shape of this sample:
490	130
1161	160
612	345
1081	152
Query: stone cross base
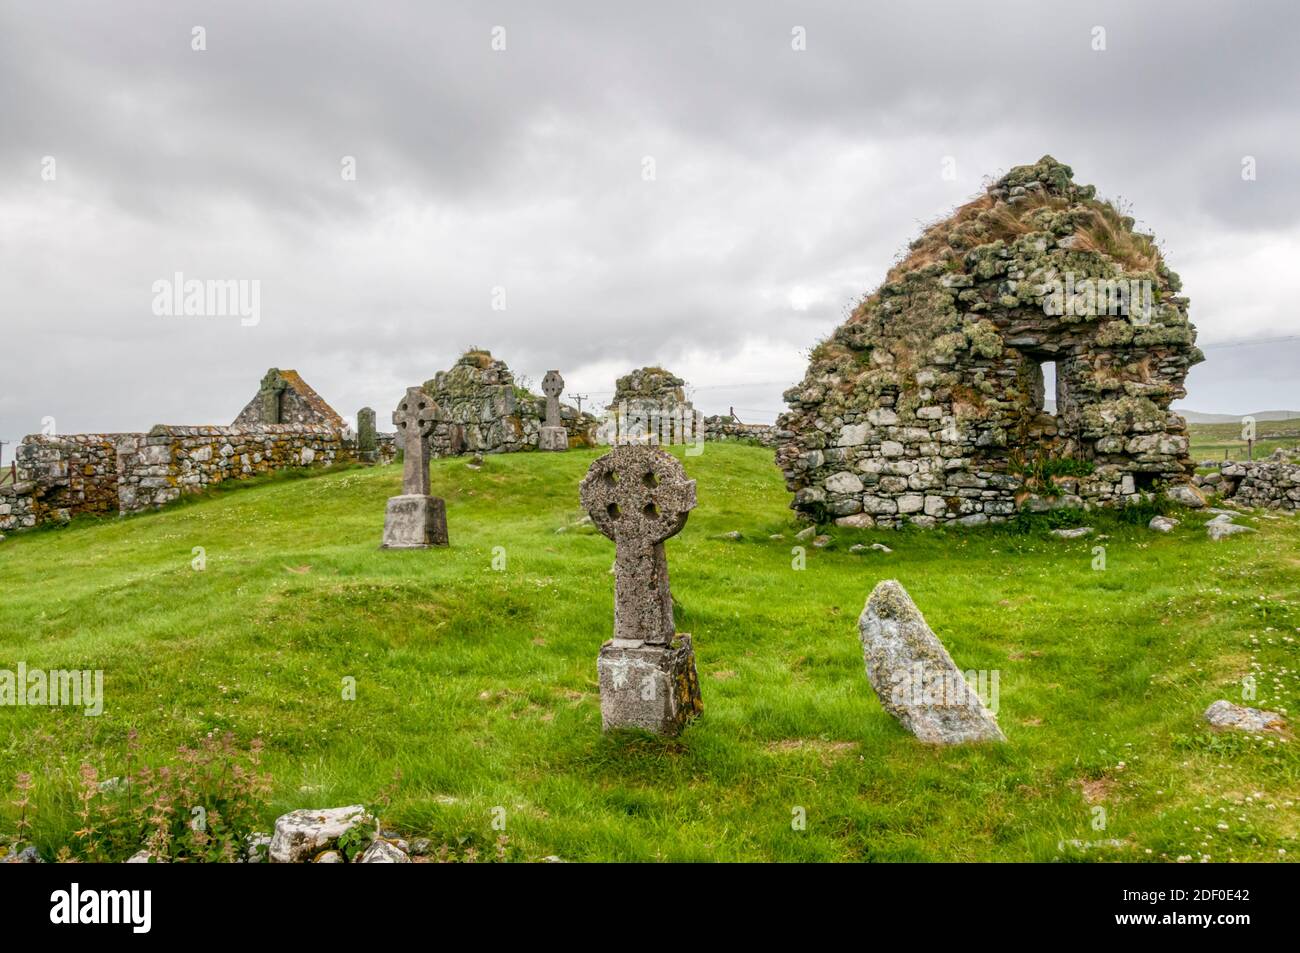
415	522
553	438
368	457
653	687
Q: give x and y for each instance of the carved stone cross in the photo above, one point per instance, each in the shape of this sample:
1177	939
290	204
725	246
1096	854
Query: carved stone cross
415	417
553	387
273	385
639	496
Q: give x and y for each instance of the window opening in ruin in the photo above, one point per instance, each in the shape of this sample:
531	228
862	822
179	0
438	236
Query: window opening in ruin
1047	373
1145	482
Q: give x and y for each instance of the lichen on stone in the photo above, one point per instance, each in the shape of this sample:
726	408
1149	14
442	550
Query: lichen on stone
939	370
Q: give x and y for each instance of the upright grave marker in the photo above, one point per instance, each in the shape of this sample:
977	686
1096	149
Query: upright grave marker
415	520
553	436
639	496
272	387
367	445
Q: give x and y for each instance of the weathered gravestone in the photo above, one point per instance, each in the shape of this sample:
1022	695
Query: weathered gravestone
553	435
639	496
367	445
415	520
915	677
272	387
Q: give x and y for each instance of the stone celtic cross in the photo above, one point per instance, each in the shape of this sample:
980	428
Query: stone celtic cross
553	387
415	417
639	496
272	386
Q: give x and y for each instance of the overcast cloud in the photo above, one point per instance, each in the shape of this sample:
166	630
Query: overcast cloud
785	184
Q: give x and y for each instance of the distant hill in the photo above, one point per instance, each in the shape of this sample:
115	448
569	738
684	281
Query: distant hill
1195	417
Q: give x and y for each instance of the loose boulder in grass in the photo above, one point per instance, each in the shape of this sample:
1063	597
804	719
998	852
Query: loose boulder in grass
301	835
915	677
1223	714
1217	531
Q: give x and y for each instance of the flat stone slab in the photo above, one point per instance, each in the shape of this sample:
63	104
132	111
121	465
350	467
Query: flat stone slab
414	521
915	677
1217	531
652	687
1224	714
1077	533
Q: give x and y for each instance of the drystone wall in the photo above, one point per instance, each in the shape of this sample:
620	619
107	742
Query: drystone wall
60	477
1273	484
176	460
928	404
726	427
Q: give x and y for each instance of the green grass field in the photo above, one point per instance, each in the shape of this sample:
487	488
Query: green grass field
1223	441
477	685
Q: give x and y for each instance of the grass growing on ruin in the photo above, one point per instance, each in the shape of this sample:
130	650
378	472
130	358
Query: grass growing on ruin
476	690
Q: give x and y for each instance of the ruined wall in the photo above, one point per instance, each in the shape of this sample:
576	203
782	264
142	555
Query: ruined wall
726	427
174	460
481	409
650	406
1273	484
66	476
16	507
927	405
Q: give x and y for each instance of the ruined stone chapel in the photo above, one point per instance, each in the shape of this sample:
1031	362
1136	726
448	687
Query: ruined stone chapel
929	404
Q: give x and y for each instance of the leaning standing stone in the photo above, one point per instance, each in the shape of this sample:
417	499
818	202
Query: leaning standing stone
914	676
639	496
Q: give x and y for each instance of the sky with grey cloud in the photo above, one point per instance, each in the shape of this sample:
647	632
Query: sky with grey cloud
785	183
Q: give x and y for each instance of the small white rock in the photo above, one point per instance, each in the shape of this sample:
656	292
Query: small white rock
300	835
382	852
1218	531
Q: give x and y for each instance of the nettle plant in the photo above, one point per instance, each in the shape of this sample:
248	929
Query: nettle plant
203	806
